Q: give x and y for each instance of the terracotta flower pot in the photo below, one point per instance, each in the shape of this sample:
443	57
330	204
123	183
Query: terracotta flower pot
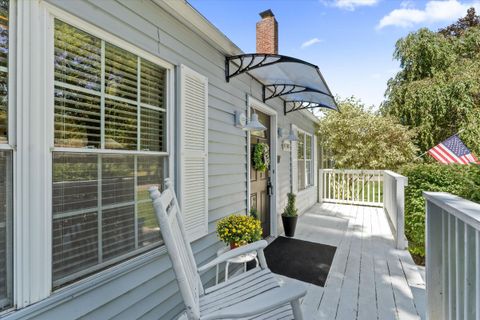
233	245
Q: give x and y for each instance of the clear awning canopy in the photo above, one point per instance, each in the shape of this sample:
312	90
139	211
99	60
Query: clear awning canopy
299	83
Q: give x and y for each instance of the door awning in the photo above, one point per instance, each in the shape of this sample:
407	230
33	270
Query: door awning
299	83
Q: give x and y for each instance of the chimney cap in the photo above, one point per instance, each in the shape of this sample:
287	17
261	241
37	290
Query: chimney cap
266	14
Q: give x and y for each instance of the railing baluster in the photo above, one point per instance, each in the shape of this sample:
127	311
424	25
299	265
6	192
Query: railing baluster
477	273
469	273
452	301
445	283
459	267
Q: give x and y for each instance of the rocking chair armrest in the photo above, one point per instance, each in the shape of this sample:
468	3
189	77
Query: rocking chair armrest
261	303
256	246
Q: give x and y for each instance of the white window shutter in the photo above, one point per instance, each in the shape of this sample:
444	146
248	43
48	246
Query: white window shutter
193	170
294	166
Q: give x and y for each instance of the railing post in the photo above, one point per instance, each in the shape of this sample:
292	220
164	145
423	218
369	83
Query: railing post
320	185
434	266
394	205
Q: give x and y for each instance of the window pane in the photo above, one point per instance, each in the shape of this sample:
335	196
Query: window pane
120	125
77	57
75	182
150	172
3	70
118	231
117	179
75	244
301	174
77	119
153	130
5	228
75	204
120	73
308	146
308	167
153	84
301	146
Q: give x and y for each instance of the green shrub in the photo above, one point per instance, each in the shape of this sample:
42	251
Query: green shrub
461	180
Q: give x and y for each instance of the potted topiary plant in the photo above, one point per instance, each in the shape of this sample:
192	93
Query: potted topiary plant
290	216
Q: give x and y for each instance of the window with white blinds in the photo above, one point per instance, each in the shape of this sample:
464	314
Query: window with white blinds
110	146
6	214
304	160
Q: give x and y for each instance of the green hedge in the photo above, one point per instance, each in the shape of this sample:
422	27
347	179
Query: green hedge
461	180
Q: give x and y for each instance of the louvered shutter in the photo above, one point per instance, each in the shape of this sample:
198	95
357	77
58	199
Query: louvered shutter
193	170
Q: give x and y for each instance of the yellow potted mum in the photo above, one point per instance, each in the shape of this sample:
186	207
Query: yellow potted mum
238	230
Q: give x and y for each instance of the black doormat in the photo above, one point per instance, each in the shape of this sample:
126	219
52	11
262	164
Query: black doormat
301	260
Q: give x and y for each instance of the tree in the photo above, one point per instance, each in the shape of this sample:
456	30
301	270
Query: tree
458	28
437	91
362	139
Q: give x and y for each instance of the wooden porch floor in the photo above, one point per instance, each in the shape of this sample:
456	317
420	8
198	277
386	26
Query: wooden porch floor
369	278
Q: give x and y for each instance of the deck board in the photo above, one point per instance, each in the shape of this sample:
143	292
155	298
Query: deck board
369	277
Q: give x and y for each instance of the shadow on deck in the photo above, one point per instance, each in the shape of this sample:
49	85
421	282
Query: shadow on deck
369	278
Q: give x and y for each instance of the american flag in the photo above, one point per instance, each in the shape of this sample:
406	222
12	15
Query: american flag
452	150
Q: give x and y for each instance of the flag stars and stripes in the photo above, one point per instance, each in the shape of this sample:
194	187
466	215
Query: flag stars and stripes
452	150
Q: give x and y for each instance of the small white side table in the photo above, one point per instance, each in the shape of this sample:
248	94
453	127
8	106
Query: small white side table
244	258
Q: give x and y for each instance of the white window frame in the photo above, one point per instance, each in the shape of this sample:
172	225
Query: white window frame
10	145
33	179
312	157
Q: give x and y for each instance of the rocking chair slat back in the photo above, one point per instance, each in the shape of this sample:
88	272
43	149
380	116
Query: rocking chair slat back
171	224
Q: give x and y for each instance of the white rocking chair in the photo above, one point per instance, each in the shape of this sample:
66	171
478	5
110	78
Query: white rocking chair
255	294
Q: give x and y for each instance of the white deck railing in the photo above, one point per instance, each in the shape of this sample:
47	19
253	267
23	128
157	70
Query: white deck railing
394	205
378	188
361	187
453	257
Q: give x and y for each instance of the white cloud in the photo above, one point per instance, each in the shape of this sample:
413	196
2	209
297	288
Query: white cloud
310	42
434	11
352	4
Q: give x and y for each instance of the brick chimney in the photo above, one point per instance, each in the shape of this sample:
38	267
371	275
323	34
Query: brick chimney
267	33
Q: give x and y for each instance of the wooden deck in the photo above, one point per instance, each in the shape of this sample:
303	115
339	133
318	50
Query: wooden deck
369	278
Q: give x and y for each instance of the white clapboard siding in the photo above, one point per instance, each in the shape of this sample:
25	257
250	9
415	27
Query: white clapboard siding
193	169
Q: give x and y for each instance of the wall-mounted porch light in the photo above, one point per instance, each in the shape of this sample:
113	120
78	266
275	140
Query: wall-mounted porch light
252	125
292	136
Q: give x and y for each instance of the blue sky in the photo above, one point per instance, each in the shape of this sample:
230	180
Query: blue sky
352	41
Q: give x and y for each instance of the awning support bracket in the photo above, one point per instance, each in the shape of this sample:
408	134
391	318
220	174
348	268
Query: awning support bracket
301	105
278	90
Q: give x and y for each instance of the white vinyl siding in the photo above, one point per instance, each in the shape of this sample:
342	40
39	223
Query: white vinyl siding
6	154
110	146
193	167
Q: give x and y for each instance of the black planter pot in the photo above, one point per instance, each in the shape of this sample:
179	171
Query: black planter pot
289	225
